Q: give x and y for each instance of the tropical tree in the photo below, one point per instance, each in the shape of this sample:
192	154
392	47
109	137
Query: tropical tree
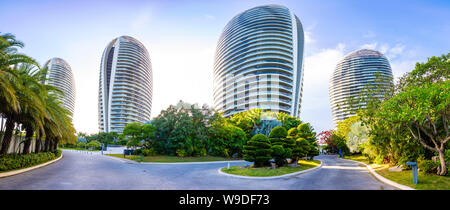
425	112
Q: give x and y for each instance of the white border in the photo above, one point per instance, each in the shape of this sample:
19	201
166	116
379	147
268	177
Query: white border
381	178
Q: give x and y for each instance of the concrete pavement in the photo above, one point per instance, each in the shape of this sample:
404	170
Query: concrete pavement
78	170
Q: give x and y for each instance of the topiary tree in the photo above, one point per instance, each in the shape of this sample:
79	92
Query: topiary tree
280	149
300	150
258	150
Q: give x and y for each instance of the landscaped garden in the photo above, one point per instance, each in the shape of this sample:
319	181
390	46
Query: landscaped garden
425	181
268	171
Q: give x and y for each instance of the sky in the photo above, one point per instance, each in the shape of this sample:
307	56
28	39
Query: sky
181	38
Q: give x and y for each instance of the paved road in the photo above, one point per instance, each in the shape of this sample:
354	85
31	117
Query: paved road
77	170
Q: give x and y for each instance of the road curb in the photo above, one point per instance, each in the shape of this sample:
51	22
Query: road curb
381	178
271	177
15	172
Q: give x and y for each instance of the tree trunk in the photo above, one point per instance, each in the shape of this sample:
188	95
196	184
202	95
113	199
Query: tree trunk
443	169
37	148
47	143
50	146
55	145
26	145
7	136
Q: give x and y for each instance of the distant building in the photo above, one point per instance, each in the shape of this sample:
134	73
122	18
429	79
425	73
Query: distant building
60	75
126	85
352	74
259	62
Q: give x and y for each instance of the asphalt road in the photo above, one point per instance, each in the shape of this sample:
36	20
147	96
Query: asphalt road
81	171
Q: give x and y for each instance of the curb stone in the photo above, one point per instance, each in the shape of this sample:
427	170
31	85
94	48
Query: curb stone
19	171
381	178
271	177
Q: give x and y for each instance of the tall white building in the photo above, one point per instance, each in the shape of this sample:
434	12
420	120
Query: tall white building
353	73
59	75
259	62
126	85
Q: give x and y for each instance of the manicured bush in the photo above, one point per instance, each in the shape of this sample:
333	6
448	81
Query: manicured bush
258	150
278	132
281	149
18	161
429	166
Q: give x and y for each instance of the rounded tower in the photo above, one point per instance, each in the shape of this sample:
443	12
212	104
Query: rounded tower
353	73
125	86
259	62
59	74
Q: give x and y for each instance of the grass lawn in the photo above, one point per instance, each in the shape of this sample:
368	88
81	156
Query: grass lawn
266	171
81	149
170	159
425	181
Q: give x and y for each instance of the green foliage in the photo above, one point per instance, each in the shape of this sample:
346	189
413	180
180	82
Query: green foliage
429	166
81	144
258	150
149	152
357	136
226	140
184	129
344	127
93	145
18	161
278	132
288	121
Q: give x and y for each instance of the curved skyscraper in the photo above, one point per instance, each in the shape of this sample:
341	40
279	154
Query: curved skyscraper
259	62
126	85
352	74
59	75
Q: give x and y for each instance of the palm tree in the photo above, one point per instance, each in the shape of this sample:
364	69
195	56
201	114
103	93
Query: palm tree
29	93
10	83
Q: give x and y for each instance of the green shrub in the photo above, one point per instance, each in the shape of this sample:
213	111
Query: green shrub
149	152
18	161
181	152
258	150
278	132
80	144
278	154
93	145
428	166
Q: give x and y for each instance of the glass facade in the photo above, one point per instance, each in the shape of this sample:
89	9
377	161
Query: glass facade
60	75
352	74
126	85
259	62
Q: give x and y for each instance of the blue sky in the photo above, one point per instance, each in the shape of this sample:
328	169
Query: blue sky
181	37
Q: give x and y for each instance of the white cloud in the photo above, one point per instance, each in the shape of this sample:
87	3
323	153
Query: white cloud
308	37
371	46
318	69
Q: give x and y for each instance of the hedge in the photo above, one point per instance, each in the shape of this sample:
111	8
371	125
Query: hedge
18	161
